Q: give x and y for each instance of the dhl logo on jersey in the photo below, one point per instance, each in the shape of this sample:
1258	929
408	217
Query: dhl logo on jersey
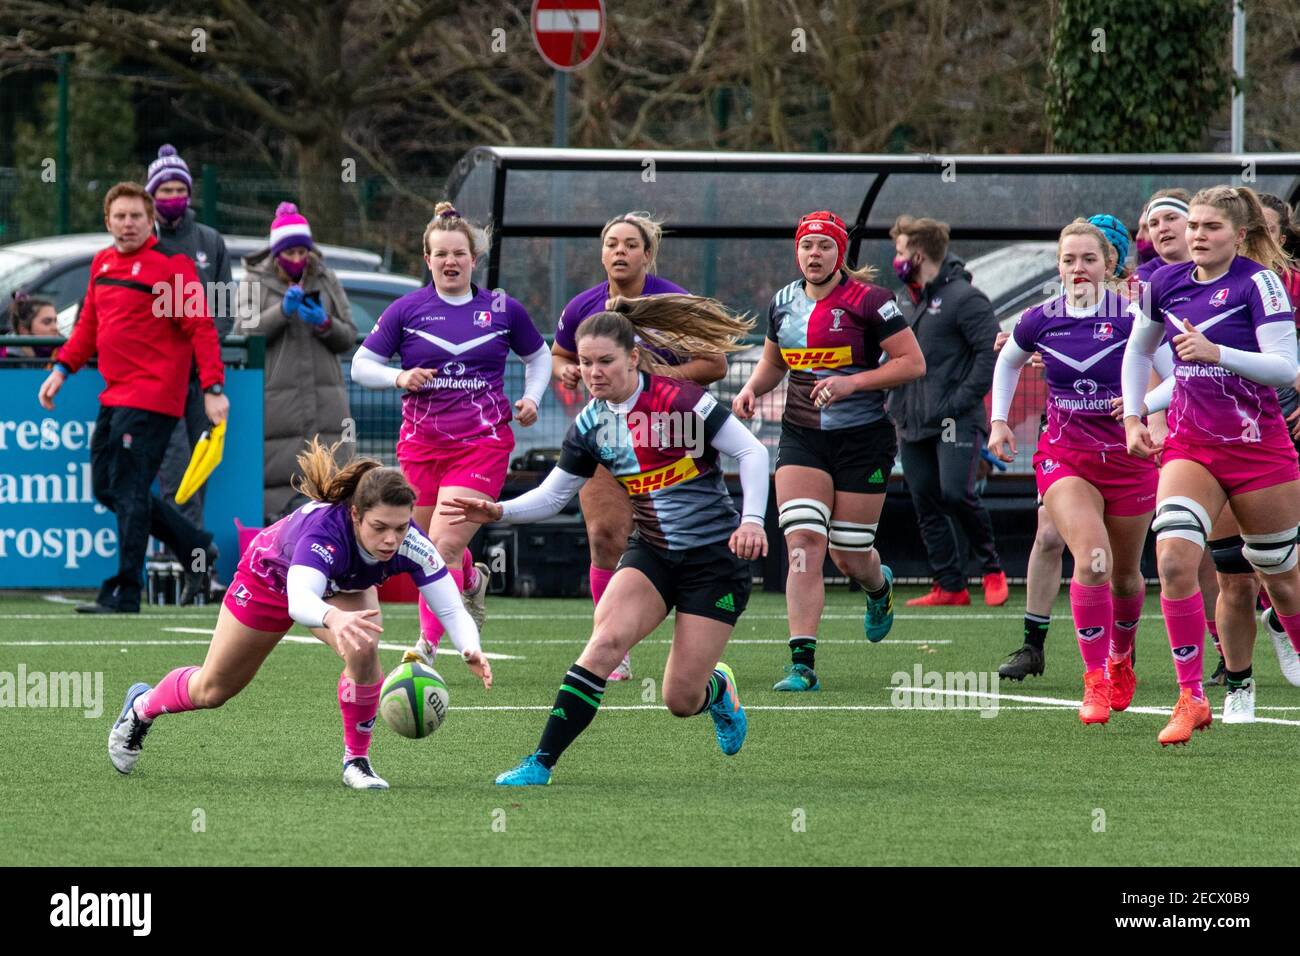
815	358
681	470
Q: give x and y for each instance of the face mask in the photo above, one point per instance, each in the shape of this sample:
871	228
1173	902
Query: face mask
1145	251
173	207
293	269
905	269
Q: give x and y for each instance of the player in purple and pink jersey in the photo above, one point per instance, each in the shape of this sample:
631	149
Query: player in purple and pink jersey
1166	221
629	246
828	331
318	567
1234	337
660	437
1097	495
453	339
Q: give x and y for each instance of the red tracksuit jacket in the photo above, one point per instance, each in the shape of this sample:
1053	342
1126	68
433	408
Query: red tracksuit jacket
145	345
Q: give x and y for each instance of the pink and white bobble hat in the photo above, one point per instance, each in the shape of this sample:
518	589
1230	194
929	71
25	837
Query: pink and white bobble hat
289	228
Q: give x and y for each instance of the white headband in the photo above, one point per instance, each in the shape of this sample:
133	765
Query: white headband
1167	202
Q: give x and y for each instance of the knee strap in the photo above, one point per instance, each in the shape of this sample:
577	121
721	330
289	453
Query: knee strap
852	536
805	514
1228	557
1179	517
1271	553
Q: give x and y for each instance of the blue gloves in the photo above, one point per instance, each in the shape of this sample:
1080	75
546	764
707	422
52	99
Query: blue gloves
313	313
292	301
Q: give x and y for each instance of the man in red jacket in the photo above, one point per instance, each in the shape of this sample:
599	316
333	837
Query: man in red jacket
145	315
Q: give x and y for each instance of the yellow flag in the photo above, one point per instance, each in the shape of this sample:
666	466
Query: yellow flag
204	461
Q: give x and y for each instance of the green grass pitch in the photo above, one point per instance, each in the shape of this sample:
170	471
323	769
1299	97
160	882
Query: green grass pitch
835	777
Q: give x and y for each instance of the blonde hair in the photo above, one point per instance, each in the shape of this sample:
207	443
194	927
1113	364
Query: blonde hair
363	482
685	325
651	230
1109	254
447	219
1243	209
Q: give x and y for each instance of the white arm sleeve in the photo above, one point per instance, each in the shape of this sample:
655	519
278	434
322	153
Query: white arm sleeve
736	440
537	375
371	370
443	598
1136	370
1006	376
1158	398
305	586
543	501
1275	362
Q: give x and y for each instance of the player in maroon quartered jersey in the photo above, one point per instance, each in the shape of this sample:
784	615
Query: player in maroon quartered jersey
827	330
629	247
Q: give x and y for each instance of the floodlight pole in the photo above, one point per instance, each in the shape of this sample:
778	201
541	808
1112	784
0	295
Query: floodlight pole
1239	75
559	193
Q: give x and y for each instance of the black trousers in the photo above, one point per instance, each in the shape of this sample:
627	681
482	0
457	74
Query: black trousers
941	478
125	452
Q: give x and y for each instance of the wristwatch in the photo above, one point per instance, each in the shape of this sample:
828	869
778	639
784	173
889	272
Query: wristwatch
214	389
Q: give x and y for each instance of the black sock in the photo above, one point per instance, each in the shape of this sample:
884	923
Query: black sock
1236	679
575	705
714	690
1036	629
803	650
878	595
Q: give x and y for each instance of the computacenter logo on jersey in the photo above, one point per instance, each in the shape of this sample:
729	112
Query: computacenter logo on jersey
816	358
681	470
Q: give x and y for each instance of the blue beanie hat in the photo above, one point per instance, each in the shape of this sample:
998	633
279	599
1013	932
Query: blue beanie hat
1116	234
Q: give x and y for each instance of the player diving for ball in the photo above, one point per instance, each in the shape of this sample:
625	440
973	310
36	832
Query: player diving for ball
319	567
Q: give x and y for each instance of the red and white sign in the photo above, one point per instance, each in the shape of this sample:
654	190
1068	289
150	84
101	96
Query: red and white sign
568	33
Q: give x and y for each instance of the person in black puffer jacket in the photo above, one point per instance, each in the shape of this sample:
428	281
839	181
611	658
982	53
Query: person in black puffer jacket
941	420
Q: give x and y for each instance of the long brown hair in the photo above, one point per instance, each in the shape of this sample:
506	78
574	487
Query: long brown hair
1242	208
363	482
685	325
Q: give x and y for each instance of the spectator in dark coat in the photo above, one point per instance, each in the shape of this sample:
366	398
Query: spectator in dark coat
941	419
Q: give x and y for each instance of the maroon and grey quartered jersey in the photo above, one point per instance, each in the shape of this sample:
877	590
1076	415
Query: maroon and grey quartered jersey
840	335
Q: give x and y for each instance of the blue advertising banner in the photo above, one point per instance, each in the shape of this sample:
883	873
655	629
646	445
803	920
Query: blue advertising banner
52	531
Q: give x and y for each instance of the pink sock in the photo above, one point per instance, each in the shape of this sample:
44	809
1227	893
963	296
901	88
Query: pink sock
600	579
359	704
1290	624
1265	601
1128	612
468	571
171	696
430	627
1214	633
1185	621
1091	606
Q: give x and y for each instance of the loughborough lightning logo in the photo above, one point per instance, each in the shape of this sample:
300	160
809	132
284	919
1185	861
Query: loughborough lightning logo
483	319
1103	331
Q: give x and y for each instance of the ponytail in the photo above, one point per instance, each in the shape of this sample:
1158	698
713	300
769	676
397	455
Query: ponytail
363	482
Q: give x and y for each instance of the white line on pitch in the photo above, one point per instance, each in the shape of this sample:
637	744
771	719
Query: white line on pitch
303	639
1062	702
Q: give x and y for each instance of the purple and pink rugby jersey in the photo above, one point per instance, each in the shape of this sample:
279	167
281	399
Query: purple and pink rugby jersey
1083	351
320	535
1212	405
467	346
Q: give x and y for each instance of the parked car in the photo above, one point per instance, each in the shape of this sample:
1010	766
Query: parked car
59	267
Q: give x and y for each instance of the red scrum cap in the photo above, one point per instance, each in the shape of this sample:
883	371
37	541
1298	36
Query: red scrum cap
825	223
